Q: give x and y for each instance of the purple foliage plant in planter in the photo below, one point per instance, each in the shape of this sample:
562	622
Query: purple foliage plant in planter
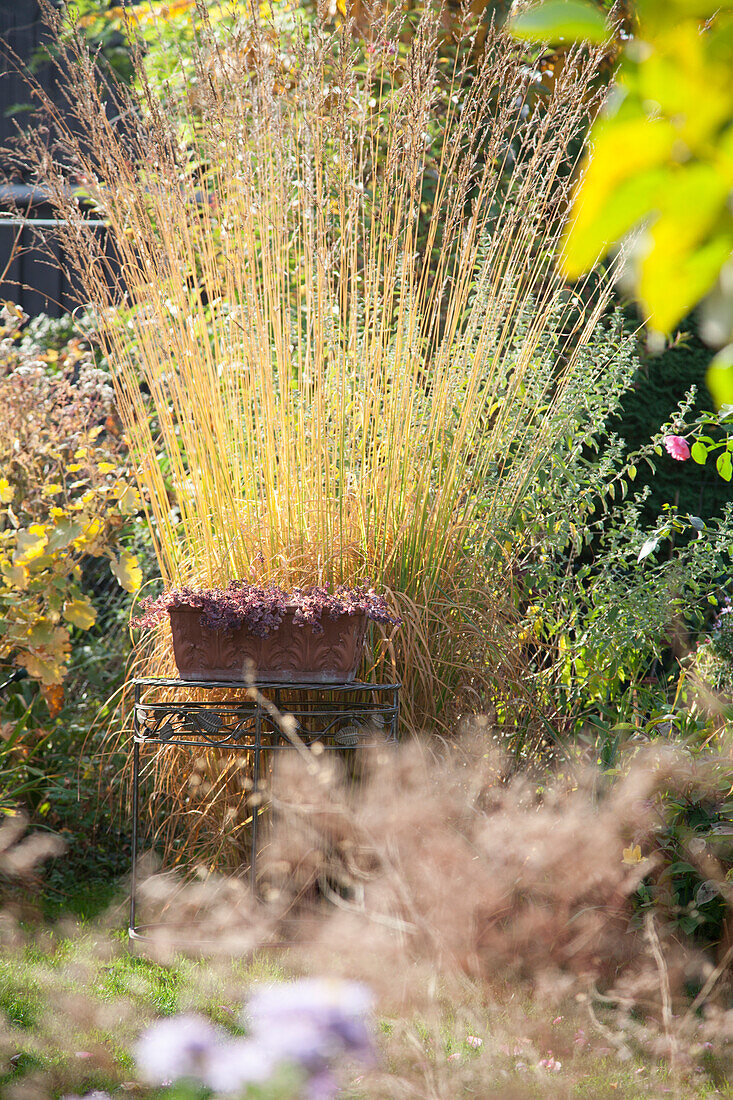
307	634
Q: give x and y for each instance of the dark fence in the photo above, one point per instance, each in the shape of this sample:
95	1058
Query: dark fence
33	269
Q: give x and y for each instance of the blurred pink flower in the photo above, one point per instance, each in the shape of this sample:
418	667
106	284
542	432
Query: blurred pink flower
677	446
550	1063
474	1041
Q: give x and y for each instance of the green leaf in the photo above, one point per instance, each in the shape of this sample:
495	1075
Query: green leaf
699	453
724	466
561	21
63	534
648	548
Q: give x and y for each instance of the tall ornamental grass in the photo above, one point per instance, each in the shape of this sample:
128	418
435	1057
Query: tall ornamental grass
341	348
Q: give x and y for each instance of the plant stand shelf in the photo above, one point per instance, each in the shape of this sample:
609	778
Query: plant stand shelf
242	717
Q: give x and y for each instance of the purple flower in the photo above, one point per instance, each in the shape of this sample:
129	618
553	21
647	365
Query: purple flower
183	1046
677	446
322	1086
313	1020
96	1095
237	1064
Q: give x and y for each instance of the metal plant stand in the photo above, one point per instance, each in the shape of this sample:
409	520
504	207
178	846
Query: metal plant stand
242	716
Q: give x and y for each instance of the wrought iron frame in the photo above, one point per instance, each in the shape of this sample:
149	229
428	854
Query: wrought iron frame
340	716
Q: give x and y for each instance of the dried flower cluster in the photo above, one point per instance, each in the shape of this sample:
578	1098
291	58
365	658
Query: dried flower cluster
260	608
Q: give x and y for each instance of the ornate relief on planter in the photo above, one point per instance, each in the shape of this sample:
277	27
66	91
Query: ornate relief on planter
288	653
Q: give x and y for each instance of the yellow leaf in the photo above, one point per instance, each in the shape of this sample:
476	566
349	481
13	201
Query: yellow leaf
106	467
632	854
81	452
17	575
170	11
80	612
129	500
720	377
7	491
623	177
128	572
92	530
49	668
687	253
73	467
30	544
51	489
56	513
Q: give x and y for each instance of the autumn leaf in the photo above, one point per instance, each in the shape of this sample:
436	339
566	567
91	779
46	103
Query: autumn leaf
54	696
90	534
30	544
128	501
47	652
7	492
15	575
127	571
49	668
80	612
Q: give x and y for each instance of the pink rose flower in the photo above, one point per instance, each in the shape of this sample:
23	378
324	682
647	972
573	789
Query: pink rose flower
677	446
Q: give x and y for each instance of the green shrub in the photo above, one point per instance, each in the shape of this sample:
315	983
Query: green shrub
661	382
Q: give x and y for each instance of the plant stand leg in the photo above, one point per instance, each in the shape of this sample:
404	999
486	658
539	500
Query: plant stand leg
132	932
255	797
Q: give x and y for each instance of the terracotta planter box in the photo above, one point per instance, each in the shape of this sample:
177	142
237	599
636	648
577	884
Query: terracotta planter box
288	653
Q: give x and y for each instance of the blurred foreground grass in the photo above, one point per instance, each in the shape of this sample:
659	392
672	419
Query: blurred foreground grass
556	1053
